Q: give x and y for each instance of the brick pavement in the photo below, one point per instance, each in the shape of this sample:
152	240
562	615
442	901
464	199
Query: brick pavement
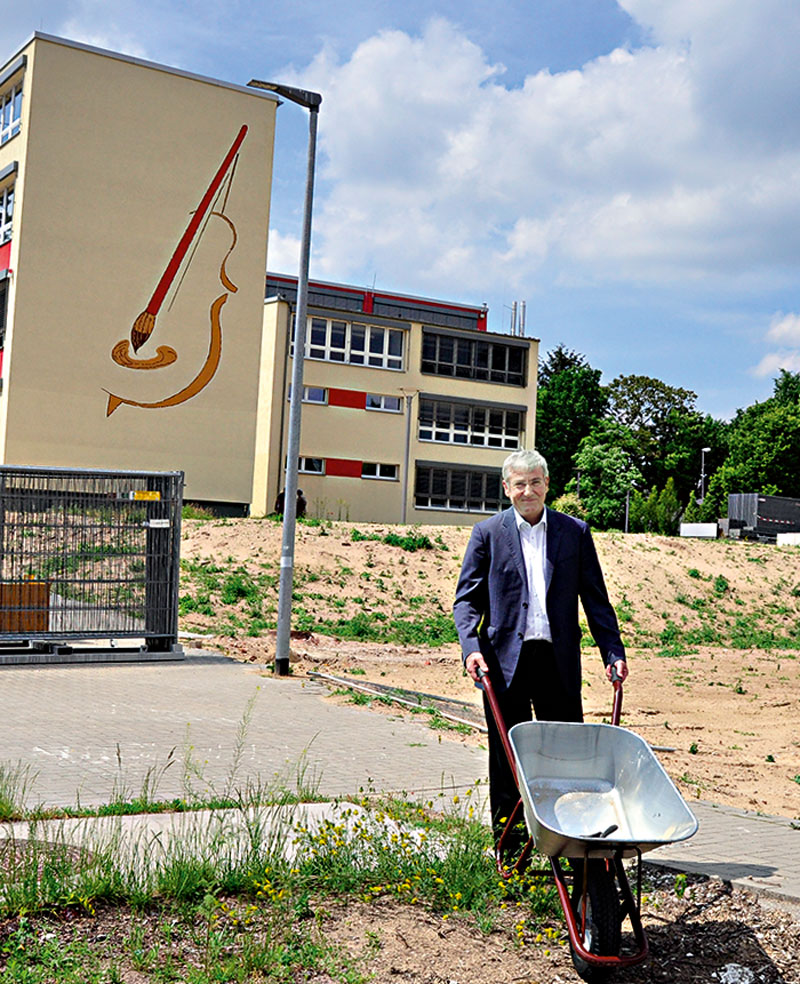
91	729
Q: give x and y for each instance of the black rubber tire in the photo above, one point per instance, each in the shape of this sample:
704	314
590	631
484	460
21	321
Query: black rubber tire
603	919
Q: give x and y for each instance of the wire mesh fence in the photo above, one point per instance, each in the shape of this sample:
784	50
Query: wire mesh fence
89	554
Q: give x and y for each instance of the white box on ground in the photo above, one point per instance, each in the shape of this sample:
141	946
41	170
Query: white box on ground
706	530
788	539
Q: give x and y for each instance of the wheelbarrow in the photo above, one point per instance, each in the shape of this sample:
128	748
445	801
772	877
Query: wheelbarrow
594	794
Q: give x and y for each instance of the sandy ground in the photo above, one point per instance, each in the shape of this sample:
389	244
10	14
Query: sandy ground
722	716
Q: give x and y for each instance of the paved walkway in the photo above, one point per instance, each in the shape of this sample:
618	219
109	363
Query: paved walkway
90	731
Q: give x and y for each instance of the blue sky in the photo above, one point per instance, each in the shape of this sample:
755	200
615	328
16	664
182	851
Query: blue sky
631	169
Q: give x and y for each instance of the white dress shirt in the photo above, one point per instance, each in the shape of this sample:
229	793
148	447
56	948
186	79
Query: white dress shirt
533	540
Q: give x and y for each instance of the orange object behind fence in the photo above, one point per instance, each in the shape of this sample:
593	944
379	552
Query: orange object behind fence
24	606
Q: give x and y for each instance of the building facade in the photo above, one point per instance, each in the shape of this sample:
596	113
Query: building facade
409	405
134	208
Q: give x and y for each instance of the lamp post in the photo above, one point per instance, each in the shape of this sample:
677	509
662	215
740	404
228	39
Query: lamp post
409	398
703	452
311	101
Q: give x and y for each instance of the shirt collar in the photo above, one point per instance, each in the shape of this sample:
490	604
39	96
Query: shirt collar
523	524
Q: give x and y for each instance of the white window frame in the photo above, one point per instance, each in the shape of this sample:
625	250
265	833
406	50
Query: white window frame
354	343
10	112
307	395
383	472
6	212
308	466
381	404
450	499
480	359
494	432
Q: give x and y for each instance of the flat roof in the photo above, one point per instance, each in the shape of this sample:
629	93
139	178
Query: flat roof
389	295
157	66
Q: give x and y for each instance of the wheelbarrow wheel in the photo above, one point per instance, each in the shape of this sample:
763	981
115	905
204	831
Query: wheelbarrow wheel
603	934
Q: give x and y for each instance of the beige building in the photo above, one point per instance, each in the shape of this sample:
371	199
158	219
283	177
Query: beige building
409	405
134	208
134	332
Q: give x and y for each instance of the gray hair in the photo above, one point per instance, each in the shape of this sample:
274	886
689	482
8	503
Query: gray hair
524	461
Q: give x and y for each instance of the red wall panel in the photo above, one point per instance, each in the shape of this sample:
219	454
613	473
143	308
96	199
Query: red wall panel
347	398
343	467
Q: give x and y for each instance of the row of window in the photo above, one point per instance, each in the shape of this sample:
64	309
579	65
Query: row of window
10	113
445	422
332	340
470	358
374	401
463	423
6	213
369	469
355	344
436	487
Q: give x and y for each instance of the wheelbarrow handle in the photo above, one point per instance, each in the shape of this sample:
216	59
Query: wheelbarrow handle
491	697
616	710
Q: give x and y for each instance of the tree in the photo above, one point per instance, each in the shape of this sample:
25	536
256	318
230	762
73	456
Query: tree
787	387
570	504
668	511
559	360
661	419
568	407
607	474
764	456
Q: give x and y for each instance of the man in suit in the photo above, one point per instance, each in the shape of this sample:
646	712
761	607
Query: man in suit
516	611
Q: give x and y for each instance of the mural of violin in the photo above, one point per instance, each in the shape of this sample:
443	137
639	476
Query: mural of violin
145	323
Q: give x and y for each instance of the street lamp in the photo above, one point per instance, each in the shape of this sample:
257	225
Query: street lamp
311	101
703	452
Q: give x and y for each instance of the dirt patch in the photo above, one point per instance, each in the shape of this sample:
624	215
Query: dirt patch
710	932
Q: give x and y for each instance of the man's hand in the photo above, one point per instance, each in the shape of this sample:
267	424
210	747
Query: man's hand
622	670
475	662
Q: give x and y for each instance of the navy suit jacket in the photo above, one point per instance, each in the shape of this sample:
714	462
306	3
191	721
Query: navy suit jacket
492	597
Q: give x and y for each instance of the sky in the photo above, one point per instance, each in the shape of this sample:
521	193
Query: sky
630	169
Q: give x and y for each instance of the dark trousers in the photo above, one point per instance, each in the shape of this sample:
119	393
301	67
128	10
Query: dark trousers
536	687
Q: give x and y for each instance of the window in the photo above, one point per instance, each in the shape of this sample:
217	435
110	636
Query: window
464	423
6	212
10	112
312	394
358	345
458	489
386	472
389	404
471	358
311	466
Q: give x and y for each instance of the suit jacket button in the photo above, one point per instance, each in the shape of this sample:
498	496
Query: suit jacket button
524	604
520	635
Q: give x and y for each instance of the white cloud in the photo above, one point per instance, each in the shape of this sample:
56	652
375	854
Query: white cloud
785	328
773	362
283	252
435	175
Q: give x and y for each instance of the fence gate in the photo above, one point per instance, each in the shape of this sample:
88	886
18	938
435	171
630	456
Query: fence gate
89	555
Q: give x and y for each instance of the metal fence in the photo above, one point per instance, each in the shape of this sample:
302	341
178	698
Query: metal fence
89	554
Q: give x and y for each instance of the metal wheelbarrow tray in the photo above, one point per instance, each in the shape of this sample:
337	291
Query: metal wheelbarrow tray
595	790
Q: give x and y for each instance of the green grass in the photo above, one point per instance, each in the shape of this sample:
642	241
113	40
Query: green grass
411	541
217	908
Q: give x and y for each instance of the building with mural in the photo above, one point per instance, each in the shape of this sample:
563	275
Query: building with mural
135	334
134	208
409	405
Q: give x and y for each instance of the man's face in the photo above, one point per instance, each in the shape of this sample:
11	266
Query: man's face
527	491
